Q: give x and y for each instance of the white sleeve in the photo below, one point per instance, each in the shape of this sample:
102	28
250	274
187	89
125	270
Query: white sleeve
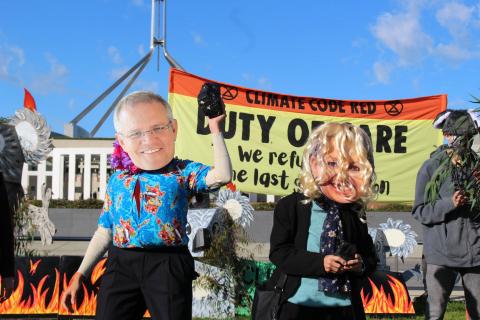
101	240
221	172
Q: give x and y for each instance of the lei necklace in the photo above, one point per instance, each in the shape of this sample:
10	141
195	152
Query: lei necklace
120	160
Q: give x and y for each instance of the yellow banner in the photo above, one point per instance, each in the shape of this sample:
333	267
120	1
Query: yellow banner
265	139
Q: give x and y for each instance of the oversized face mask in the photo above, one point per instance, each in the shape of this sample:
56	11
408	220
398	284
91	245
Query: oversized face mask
337	187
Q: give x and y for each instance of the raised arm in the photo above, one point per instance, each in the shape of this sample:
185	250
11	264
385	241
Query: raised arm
221	172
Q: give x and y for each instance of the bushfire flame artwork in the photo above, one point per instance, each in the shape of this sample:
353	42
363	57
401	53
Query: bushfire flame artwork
39	283
386	293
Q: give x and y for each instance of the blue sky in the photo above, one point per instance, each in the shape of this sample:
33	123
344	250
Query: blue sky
68	52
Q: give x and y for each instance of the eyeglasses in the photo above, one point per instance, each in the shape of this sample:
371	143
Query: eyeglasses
155	131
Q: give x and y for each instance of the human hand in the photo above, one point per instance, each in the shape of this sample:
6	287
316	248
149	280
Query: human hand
69	296
459	198
334	264
355	265
216	124
476	174
6	288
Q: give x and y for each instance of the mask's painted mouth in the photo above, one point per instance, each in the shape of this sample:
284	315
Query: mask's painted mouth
346	189
150	151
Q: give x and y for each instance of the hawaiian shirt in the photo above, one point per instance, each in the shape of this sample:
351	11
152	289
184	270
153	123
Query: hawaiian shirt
164	196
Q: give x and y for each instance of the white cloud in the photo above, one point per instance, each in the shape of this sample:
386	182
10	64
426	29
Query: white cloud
358	43
11	59
56	68
455	17
141	50
19	54
54	80
118	72
114	54
416	83
262	80
198	39
460	21
403	34
454	52
72	104
152	86
382	72
246	76
253	80
138	3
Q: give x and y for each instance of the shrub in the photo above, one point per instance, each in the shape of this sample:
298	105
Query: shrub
78	204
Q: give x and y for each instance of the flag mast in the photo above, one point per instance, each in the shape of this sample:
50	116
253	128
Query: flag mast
74	129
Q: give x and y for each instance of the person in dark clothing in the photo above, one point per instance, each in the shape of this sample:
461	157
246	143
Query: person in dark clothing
309	228
7	257
451	228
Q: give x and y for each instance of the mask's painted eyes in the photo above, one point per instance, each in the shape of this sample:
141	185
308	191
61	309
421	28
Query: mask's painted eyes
354	167
332	164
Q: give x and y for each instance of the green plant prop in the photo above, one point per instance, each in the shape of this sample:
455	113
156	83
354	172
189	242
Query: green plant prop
457	159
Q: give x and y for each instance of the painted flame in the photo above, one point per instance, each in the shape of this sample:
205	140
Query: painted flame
87	306
98	271
381	302
34	303
34	266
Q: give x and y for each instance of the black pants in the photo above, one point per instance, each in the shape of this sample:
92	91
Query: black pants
159	280
291	311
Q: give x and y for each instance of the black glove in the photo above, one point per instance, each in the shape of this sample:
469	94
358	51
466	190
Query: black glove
210	101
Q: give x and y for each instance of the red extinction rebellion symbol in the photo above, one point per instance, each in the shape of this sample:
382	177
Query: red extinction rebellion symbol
229	92
393	108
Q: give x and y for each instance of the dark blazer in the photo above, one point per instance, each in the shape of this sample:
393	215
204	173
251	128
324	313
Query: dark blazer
7	257
288	246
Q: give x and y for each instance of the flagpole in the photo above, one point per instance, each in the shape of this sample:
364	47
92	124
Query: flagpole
135	70
152	26
163	42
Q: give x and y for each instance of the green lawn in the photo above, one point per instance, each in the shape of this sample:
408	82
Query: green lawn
455	311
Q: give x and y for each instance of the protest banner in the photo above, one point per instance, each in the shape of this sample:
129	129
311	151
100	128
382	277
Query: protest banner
265	133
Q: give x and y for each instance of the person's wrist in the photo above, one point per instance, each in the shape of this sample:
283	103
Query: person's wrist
214	128
77	276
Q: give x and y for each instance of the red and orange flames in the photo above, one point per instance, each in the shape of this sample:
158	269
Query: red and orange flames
381	302
89	302
36	303
34	266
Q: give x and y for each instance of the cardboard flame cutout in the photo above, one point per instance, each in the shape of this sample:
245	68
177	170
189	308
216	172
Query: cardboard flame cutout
379	301
40	282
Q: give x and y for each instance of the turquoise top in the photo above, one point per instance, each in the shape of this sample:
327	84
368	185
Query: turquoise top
308	294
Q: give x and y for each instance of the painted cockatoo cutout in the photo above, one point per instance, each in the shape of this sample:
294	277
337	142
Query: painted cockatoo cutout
25	137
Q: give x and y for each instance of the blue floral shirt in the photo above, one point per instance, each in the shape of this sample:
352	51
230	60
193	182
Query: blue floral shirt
164	196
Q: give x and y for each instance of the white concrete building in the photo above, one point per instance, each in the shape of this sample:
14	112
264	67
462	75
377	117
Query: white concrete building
87	177
75	169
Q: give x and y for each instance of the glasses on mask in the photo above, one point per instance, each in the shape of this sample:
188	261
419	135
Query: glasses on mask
155	131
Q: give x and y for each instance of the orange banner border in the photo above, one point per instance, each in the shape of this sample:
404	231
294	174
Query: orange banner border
420	108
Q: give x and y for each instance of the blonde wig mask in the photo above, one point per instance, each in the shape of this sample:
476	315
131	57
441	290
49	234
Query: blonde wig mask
353	145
